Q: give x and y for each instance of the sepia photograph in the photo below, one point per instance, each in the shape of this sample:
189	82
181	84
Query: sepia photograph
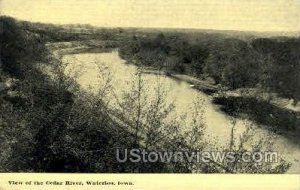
149	86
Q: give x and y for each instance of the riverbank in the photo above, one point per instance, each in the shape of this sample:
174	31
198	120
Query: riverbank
278	111
267	110
207	86
277	114
218	123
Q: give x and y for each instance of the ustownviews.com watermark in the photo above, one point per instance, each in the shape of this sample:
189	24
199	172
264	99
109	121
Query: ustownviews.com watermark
141	155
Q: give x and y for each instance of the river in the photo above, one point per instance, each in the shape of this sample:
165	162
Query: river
219	125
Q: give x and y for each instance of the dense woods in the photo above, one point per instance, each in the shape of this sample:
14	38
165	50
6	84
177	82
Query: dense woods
281	66
48	124
272	64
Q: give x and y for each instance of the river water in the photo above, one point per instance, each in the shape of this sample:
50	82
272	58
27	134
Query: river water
87	65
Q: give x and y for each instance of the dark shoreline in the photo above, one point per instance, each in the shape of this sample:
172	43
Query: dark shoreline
262	112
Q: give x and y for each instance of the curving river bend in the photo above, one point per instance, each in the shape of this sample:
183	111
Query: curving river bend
218	124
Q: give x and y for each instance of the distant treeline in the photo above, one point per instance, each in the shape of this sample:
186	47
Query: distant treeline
61	33
269	63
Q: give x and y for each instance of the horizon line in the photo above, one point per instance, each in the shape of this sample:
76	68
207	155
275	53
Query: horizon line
157	27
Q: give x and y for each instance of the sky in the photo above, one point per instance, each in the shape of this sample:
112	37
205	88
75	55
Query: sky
246	15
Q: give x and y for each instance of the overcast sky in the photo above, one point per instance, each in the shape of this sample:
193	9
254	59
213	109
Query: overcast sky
254	15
